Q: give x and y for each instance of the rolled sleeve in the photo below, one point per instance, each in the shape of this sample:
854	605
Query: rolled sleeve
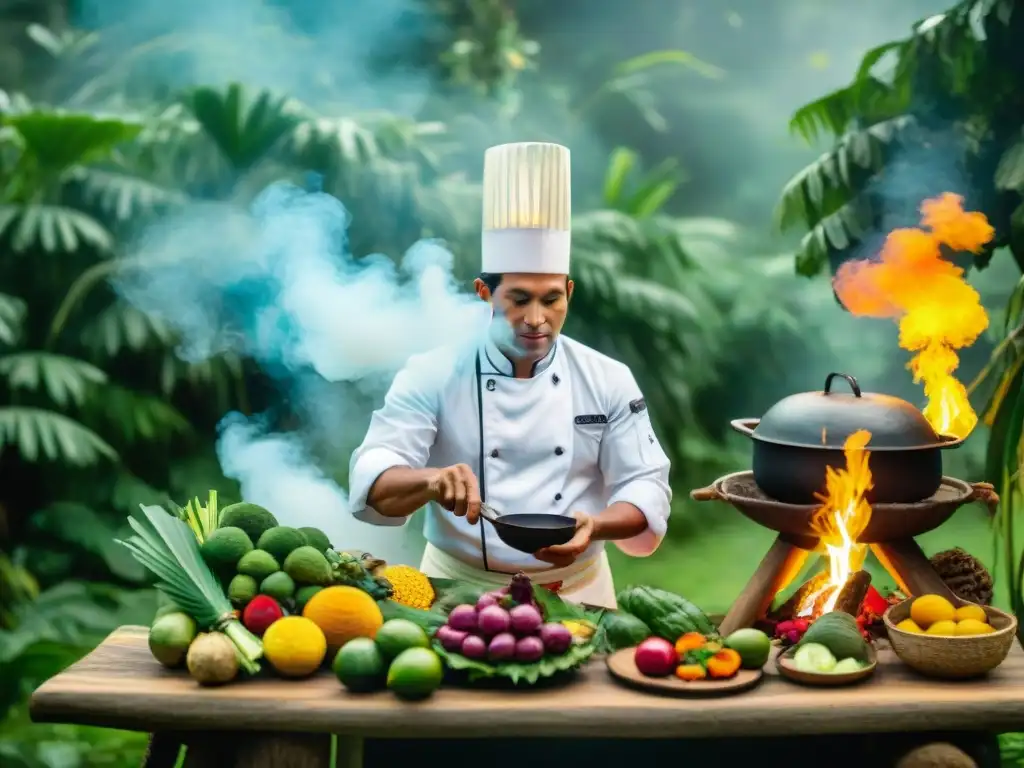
401	434
635	467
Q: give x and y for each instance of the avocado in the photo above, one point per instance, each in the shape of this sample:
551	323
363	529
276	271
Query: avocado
241	590
225	547
258	564
251	518
281	541
303	594
307	566
316	538
279	586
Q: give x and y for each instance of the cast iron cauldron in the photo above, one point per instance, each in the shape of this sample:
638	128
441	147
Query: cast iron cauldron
801	435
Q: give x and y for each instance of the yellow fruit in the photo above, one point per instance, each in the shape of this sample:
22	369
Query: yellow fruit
294	646
928	609
946	627
411	587
970	611
908	625
343	614
969	627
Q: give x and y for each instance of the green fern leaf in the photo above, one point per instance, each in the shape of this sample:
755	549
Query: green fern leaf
137	416
58	140
66	380
39	435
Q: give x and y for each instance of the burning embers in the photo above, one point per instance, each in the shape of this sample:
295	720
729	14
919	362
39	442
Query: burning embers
937	310
843	516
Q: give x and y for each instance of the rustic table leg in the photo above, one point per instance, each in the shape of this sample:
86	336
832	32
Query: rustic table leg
258	750
908	564
163	751
778	568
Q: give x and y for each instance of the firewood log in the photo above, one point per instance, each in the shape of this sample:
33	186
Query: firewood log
853	593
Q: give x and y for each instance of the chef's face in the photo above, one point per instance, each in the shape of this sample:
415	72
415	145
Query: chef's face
535	307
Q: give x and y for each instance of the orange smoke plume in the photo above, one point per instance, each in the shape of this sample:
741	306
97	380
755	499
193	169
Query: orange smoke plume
937	309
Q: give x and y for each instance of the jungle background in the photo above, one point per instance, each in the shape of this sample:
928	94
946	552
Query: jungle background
726	157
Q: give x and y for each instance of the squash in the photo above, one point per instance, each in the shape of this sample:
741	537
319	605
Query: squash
622	630
669	616
837	631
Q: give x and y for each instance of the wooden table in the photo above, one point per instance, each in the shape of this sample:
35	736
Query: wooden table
279	723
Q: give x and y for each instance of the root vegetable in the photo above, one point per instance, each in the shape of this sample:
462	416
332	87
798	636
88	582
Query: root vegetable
463	618
556	637
529	649
525	620
212	659
451	638
474	647
502	647
486	599
493	620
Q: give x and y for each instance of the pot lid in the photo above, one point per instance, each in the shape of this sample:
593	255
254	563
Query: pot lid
826	419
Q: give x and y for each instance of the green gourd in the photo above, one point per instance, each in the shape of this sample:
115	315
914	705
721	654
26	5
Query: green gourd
670	616
838	632
622	630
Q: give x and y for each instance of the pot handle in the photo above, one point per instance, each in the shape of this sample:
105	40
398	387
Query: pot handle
986	494
850	380
745	426
710	493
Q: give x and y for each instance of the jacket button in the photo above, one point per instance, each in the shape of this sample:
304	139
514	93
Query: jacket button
555	379
558	497
559	451
494	453
491	385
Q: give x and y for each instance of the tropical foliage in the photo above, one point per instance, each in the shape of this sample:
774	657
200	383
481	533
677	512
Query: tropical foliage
937	111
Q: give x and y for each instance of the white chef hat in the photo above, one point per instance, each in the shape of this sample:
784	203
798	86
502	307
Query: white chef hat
527	209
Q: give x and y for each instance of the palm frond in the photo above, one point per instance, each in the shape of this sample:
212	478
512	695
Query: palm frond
121	326
121	195
51	228
65	380
12	314
135	416
58	140
38	434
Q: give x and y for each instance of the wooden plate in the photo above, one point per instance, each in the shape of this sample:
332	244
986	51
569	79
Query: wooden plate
623	669
786	668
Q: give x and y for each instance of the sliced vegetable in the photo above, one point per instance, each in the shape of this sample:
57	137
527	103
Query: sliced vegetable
724	664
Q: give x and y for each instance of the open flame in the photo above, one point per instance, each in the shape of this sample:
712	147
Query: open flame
937	309
840	521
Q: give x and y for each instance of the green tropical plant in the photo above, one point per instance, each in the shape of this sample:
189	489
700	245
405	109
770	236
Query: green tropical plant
937	111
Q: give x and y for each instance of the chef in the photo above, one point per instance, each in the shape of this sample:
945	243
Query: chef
527	420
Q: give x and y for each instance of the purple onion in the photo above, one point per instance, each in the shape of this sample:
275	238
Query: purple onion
451	638
529	649
556	637
493	620
502	647
525	620
474	647
463	618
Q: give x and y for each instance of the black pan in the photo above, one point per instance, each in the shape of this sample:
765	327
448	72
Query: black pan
802	435
530	531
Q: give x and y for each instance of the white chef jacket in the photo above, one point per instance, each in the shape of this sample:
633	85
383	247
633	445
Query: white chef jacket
576	436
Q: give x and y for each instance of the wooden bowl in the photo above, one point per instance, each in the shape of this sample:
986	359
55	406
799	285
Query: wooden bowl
951	658
784	663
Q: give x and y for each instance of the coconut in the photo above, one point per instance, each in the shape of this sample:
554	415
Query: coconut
170	638
212	659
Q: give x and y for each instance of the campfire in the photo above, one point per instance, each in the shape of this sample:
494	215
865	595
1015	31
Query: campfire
876	498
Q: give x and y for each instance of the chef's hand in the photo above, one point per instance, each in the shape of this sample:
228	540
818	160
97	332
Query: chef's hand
456	489
562	555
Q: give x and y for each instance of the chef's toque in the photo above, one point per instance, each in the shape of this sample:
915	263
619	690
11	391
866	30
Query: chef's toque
527	209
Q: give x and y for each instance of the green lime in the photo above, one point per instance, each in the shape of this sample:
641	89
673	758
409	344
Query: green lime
415	673
359	665
397	635
753	646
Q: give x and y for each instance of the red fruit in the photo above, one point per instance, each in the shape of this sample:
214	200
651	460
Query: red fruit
260	613
801	625
655	657
874	602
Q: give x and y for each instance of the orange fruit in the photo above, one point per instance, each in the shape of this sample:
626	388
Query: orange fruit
343	614
929	609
